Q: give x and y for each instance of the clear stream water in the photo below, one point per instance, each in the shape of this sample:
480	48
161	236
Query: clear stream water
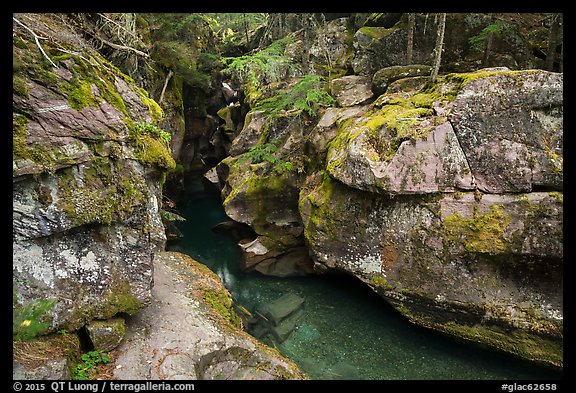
346	331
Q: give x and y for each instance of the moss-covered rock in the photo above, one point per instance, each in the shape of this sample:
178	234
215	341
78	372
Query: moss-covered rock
192	331
331	52
420	141
106	334
383	77
262	179
425	193
86	189
519	146
463	264
351	90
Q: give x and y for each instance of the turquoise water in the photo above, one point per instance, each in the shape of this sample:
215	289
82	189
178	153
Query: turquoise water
346	331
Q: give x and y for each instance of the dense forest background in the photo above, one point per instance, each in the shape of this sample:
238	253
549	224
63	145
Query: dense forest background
151	46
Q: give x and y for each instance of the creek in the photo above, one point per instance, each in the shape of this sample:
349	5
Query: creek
346	331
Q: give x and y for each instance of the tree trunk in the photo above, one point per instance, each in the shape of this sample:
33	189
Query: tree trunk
488	47
552	43
245	27
170	74
411	23
438	48
562	58
307	40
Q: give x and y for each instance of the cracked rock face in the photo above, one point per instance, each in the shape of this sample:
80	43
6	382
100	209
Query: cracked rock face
510	128
86	191
400	214
445	198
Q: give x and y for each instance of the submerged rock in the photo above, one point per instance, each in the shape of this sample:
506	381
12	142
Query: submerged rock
445	198
191	331
277	319
277	311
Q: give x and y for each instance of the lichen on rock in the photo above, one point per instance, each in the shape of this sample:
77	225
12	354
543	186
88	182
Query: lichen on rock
86	193
401	192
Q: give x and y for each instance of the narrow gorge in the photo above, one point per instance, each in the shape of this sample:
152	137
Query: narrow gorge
193	192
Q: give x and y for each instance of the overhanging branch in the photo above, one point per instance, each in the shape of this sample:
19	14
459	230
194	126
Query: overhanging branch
37	39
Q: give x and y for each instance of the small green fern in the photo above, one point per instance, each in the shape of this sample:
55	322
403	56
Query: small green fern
267	153
307	95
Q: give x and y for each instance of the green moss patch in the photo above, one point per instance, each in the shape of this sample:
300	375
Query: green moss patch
208	288
524	343
152	150
376	33
481	233
380	282
100	191
119	298
221	302
31	319
518	342
320	204
45	157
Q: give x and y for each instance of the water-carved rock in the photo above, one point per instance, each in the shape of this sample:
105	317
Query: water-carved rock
412	194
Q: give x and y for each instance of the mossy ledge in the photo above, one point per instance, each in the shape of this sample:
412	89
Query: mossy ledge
84	80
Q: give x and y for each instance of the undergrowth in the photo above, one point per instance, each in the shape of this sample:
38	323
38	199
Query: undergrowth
30	320
307	95
264	65
87	367
266	153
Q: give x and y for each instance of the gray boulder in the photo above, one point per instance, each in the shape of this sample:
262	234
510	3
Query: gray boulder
510	127
383	77
51	370
351	90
